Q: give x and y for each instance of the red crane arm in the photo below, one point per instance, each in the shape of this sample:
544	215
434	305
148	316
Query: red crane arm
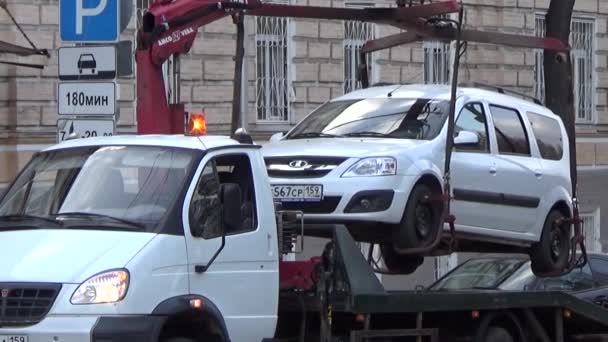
170	28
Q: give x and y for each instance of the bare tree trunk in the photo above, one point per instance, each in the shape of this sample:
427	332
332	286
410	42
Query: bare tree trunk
559	92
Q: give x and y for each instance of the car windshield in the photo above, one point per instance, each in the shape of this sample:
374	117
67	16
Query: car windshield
105	186
478	274
420	119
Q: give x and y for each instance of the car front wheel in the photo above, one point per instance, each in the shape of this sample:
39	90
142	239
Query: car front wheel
552	252
421	220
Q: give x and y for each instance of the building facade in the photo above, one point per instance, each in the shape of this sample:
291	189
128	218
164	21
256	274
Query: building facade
293	66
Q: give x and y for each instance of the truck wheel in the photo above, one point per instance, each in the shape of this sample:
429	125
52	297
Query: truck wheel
401	264
551	253
498	334
421	220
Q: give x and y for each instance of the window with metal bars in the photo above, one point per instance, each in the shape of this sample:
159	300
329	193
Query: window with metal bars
582	55
436	62
355	35
272	69
591	227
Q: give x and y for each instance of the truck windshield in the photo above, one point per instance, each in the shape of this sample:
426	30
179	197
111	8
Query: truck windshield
105	186
420	119
478	274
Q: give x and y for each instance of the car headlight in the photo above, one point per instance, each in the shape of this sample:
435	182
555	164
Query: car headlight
384	166
107	287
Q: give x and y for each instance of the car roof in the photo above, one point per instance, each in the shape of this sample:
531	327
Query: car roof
178	141
439	92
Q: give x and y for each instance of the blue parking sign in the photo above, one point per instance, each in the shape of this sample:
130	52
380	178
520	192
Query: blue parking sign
90	21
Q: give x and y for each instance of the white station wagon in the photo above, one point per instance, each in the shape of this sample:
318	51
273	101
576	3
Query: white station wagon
371	159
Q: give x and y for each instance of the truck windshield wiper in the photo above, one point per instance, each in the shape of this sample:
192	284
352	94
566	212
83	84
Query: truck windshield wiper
20	218
366	134
314	135
132	224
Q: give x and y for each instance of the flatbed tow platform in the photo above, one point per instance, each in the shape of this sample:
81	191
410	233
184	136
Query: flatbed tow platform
345	301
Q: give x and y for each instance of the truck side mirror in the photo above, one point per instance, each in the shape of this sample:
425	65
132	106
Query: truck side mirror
231	199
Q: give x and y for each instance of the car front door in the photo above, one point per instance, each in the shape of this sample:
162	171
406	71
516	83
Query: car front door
242	281
472	171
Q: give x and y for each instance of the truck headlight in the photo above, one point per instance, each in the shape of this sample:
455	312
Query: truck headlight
384	166
107	287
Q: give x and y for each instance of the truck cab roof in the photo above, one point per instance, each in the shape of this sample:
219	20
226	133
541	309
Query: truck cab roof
202	143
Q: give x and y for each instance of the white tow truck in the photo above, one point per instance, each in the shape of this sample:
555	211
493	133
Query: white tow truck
176	238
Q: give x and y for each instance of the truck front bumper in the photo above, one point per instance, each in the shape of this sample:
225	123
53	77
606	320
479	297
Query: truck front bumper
91	328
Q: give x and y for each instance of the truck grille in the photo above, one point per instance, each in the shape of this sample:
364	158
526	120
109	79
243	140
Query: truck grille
25	304
301	166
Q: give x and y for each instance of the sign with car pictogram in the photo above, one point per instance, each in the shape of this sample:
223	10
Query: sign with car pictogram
87	63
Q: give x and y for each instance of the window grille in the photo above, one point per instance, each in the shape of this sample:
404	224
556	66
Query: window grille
355	35
582	53
272	69
591	230
436	62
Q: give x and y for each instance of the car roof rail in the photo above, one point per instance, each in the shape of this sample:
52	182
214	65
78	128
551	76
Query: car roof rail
501	90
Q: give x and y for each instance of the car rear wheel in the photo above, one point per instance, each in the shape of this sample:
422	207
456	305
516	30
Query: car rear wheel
552	252
421	220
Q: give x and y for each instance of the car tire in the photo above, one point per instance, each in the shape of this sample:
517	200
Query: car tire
421	220
498	334
551	253
401	264
178	339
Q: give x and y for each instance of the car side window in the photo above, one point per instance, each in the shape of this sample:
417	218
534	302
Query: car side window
473	118
548	135
205	212
598	265
576	280
510	131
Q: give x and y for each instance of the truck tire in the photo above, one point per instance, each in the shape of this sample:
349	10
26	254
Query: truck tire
551	253
421	220
498	334
402	264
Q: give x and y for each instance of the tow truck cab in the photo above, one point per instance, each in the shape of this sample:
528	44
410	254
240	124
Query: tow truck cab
140	238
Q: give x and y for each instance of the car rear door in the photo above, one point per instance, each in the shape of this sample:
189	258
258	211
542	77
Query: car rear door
517	189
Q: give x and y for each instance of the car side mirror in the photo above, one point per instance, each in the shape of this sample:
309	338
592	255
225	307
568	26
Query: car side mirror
466	138
277	136
230	197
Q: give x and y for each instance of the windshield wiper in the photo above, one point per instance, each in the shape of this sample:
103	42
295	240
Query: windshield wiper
132	224
20	218
314	135
366	134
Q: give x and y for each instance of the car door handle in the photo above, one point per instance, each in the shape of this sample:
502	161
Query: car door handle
538	173
493	170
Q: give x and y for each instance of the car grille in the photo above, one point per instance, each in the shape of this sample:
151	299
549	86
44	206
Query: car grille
326	206
25	304
301	166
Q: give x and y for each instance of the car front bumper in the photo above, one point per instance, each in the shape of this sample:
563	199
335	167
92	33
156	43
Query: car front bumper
90	328
341	194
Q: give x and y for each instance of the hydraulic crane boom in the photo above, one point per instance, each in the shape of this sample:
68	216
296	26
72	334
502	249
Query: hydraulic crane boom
170	28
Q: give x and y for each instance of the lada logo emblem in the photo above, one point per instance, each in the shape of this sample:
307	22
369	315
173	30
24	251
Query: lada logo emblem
4	293
298	163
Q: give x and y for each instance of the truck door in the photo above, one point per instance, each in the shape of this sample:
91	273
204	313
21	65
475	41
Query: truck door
243	280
